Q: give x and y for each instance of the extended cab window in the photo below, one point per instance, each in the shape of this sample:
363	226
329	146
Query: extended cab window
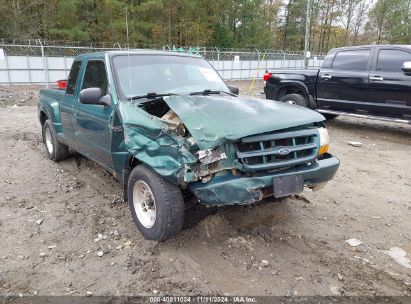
95	75
72	79
351	60
392	60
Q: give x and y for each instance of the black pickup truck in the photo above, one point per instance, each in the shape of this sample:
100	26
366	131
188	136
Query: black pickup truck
363	81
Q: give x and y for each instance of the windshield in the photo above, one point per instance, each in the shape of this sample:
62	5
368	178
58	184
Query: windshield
164	74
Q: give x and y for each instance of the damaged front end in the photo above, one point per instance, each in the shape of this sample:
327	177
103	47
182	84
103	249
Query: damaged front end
155	135
185	140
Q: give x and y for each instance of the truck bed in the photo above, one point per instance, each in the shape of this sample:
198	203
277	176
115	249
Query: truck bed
52	94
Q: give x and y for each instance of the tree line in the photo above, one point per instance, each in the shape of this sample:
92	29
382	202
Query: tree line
272	24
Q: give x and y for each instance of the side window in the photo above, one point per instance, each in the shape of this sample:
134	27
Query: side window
392	60
72	79
95	75
327	61
355	60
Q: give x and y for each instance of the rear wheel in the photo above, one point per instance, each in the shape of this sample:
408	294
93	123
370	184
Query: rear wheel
55	150
156	205
329	116
296	99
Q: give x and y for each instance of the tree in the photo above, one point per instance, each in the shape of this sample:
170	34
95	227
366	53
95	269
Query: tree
294	26
67	24
219	23
379	17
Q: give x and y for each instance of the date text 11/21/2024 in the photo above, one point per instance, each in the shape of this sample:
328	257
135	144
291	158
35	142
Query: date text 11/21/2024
203	299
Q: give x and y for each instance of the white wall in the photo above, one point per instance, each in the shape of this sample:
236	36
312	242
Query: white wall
32	69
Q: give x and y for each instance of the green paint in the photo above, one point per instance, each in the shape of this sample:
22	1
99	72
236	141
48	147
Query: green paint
213	120
244	190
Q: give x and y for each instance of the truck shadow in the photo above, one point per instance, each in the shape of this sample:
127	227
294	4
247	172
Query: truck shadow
240	217
372	127
195	212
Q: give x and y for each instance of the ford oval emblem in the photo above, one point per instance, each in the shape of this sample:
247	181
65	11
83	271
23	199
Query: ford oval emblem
284	151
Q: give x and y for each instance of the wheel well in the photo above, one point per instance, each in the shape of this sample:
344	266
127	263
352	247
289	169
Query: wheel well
133	162
43	117
290	90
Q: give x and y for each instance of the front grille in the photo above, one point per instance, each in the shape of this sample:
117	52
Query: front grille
278	150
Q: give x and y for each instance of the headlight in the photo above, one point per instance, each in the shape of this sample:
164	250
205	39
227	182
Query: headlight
324	141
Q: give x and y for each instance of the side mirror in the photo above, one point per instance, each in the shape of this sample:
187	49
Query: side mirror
94	96
406	67
233	89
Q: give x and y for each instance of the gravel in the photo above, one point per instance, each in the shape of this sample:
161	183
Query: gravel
301	236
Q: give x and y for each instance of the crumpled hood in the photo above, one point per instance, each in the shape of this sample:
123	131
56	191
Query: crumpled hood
215	119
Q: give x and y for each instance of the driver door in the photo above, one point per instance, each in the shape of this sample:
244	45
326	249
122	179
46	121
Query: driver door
92	131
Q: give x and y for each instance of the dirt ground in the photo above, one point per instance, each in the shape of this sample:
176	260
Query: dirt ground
51	215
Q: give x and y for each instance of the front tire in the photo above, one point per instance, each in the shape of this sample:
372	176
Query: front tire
156	205
56	151
296	99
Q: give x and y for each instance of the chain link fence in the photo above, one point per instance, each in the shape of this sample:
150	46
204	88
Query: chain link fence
37	62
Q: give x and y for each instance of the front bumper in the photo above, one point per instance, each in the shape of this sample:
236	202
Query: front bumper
230	189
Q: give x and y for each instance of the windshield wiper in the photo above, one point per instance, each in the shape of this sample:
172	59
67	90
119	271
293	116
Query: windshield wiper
151	95
208	92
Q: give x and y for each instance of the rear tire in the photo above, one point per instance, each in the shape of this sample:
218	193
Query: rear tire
56	151
156	205
329	116
296	99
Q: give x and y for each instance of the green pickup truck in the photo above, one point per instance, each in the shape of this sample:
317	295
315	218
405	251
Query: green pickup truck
168	127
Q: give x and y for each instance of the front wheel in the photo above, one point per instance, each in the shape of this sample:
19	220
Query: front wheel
296	99
156	205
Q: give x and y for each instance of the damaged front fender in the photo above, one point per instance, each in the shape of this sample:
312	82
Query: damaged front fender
149	140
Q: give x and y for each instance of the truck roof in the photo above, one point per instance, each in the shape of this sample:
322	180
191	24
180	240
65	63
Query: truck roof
372	46
138	52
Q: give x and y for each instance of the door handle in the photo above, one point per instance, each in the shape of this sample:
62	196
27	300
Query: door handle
376	78
325	76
